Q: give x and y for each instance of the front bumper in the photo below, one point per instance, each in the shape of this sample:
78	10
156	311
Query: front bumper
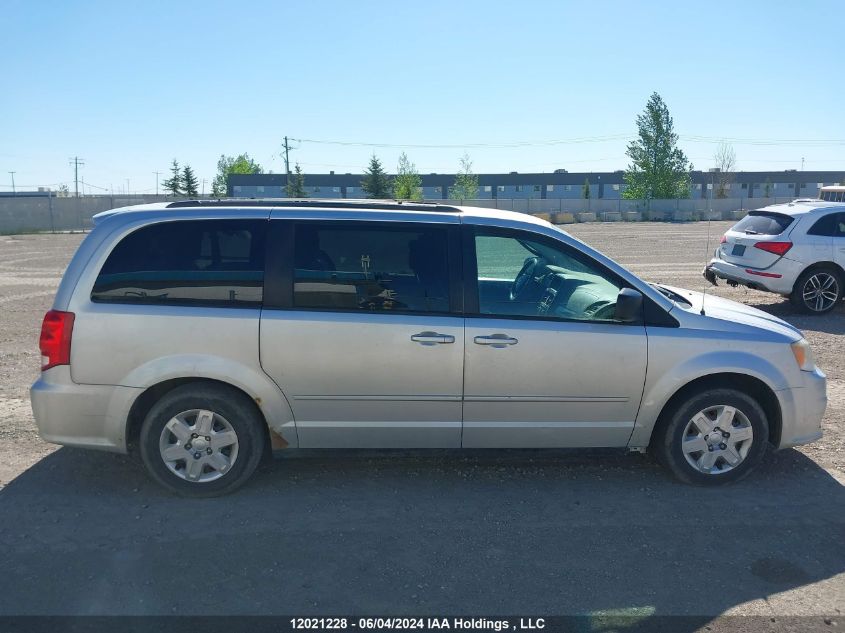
802	410
757	279
87	416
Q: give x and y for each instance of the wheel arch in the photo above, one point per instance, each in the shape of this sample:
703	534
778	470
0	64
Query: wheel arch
816	266
750	385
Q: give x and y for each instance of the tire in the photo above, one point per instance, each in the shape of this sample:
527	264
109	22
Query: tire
225	447
805	294
678	436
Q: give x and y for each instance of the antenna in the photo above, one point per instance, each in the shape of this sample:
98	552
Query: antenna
706	261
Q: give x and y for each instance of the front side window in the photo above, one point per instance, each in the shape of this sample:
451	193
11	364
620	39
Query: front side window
377	268
519	275
208	262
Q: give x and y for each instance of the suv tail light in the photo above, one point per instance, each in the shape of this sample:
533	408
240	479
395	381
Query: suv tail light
56	331
778	248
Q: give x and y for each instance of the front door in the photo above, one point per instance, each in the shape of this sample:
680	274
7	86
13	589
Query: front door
546	363
367	341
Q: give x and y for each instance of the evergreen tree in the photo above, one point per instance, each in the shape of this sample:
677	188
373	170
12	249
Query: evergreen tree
173	185
189	182
296	189
658	169
585	190
376	183
407	185
466	182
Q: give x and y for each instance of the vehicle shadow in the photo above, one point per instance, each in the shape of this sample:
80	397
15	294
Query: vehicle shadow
440	533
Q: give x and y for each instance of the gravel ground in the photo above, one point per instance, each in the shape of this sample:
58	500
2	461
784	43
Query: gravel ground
499	532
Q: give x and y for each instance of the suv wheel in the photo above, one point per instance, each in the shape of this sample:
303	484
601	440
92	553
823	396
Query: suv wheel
818	290
713	437
202	440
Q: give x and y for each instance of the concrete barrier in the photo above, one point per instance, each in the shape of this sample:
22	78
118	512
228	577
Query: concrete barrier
682	216
564	217
543	216
632	216
611	216
587	216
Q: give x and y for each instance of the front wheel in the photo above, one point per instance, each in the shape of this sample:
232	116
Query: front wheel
714	437
818	290
202	440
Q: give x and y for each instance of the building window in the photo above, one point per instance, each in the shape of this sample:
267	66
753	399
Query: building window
488	188
536	187
803	185
336	189
745	185
698	187
350	190
316	190
550	187
567	187
615	187
259	189
438	190
518	188
726	186
501	188
236	188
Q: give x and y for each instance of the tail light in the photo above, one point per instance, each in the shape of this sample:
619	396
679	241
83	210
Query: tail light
778	248
56	331
724	239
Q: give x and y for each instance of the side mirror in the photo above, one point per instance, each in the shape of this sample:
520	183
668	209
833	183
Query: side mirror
629	305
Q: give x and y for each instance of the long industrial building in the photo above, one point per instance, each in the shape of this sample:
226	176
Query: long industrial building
557	185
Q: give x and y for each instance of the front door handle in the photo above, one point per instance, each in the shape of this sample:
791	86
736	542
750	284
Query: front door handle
496	340
432	338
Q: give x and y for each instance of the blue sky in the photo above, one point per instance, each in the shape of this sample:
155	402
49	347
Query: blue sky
128	86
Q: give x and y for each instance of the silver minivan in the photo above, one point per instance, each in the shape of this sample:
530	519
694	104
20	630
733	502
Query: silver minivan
204	334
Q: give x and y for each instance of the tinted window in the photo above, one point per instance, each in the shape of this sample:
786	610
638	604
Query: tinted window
763	223
824	226
840	225
521	276
217	262
376	268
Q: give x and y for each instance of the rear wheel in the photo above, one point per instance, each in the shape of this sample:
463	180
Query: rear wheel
817	290
202	440
714	437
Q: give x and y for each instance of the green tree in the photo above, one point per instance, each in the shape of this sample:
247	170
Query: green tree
466	182
173	185
407	185
585	190
296	189
228	165
767	188
658	168
189	182
376	183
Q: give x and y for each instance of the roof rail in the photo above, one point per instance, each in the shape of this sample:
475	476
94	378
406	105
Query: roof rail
343	203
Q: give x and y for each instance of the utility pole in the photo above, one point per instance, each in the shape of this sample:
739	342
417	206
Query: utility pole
157	173
203	188
287	165
802	163
127	186
76	162
13	183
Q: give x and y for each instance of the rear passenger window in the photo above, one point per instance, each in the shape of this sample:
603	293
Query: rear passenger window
763	223
378	268
825	226
209	262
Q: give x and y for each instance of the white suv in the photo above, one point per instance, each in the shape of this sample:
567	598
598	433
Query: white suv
796	250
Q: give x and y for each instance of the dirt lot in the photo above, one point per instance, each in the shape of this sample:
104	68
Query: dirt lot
527	532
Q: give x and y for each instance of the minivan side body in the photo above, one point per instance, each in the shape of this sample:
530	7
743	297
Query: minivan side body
447	371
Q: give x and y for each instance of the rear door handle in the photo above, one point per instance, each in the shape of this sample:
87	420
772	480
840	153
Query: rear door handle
432	338
496	340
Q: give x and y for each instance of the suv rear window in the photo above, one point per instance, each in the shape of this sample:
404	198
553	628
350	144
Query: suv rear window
763	223
206	262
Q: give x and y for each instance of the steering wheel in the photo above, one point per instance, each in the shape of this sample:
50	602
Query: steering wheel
525	275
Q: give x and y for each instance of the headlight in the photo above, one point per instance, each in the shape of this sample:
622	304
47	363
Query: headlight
803	355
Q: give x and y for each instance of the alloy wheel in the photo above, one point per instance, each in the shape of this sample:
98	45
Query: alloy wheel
820	292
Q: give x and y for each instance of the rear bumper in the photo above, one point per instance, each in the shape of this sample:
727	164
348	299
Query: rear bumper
757	279
802	410
87	416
